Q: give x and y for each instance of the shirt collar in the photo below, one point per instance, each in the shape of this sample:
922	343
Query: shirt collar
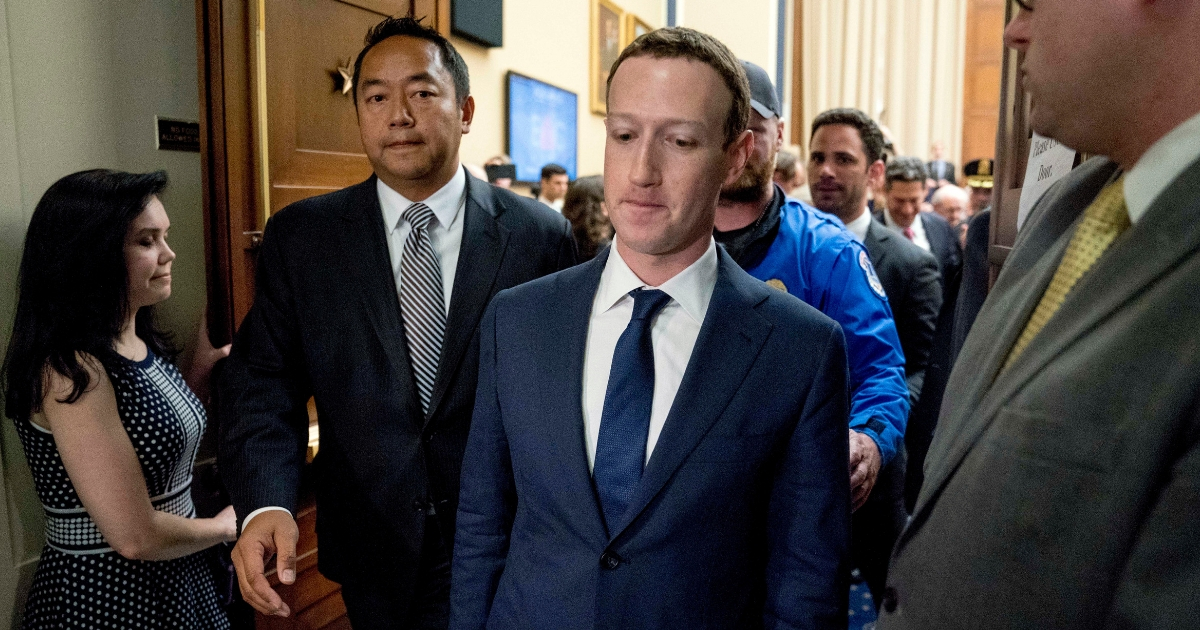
1160	165
858	227
917	226
691	288
445	203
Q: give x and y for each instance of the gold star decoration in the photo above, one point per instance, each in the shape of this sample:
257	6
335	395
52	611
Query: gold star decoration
346	77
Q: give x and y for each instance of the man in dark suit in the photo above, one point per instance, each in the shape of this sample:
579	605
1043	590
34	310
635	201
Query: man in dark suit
1063	483
941	172
667	446
845	159
368	300
905	188
976	280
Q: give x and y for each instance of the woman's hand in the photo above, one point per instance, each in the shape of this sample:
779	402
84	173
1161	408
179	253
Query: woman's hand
204	357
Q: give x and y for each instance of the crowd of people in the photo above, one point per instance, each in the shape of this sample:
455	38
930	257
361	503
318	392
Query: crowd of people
697	391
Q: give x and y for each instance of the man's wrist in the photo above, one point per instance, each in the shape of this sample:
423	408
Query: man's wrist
246	521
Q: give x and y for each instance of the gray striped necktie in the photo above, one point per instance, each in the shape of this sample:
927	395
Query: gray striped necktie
421	300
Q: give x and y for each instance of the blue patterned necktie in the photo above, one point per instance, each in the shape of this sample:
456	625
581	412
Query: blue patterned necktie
625	421
422	303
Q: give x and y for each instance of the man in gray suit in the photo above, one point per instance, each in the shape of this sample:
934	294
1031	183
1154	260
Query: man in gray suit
1063	484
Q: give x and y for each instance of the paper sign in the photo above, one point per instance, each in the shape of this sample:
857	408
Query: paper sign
1049	161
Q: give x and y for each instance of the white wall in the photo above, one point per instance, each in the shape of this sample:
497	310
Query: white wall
80	84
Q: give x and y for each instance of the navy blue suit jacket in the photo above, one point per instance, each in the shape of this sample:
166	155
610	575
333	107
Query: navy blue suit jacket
742	516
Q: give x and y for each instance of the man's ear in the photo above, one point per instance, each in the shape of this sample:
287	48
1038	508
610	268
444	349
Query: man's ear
779	136
468	113
738	154
875	173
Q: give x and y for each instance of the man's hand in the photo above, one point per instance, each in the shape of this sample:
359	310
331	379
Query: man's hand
272	532
865	461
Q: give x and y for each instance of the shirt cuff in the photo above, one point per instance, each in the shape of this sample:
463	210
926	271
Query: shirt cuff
246	521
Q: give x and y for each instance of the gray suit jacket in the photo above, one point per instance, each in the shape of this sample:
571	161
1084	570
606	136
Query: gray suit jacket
1064	492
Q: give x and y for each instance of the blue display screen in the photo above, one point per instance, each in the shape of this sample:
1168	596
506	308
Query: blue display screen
543	127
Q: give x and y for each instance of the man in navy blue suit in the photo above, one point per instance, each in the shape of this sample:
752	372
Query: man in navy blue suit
659	440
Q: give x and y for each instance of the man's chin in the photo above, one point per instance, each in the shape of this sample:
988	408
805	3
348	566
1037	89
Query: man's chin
744	193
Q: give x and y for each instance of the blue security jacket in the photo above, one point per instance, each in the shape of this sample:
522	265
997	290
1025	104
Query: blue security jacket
815	259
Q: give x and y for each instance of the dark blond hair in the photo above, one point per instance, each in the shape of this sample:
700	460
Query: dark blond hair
684	43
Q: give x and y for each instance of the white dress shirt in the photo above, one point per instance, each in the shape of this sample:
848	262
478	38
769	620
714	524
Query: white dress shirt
445	234
859	226
557	205
1158	167
673	336
920	239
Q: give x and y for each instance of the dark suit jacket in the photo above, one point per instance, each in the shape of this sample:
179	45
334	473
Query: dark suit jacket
1062	492
742	516
921	422
947	168
913	286
326	323
976	276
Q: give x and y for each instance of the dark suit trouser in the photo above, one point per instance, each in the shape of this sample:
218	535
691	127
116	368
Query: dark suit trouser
377	604
877	525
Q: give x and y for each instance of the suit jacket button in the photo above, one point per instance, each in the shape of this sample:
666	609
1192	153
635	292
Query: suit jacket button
610	560
419	505
890	600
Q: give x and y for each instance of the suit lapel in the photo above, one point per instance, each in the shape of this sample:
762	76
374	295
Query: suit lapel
373	272
567	324
484	240
730	337
876	234
1167	233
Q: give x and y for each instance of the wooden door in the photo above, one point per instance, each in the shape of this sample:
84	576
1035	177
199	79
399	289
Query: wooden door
276	124
983	61
277	127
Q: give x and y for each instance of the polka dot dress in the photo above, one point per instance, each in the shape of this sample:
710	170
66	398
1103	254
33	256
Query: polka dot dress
80	581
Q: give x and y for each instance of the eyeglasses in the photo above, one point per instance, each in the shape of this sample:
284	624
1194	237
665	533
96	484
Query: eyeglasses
1026	5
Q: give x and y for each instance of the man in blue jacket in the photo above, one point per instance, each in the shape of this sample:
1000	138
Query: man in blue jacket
807	253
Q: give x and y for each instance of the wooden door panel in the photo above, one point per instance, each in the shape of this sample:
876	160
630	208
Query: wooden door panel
313	135
981	79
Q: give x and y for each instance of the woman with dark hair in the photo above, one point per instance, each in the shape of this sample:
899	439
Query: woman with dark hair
108	424
584	208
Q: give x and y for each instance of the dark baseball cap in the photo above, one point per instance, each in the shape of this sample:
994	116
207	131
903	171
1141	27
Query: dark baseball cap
762	94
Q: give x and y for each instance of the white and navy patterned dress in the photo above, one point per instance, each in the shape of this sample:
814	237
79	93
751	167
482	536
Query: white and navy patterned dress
80	581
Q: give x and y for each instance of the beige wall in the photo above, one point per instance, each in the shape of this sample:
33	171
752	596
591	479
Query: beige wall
746	26
901	61
80	84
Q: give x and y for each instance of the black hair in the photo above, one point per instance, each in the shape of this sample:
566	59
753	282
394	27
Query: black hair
905	169
868	131
551	170
408	27
73	285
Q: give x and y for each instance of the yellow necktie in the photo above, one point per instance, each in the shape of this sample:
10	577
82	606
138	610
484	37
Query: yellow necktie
1102	223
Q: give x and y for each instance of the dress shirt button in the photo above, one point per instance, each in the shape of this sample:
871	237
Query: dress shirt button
890	600
420	505
610	560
